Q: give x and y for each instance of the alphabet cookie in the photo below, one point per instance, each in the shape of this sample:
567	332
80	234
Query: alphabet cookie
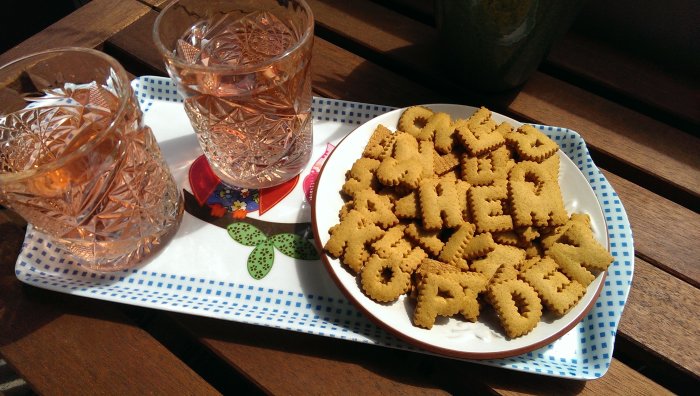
463	215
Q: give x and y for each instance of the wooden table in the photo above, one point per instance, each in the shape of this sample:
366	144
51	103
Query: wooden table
639	117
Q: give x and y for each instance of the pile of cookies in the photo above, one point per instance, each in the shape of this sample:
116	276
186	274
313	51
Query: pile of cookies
462	214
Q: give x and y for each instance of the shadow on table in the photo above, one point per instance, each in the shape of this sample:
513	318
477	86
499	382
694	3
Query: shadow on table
237	343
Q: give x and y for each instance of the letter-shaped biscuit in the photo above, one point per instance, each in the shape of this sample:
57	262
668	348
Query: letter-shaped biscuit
392	243
472	284
428	240
505	272
509	238
407	165
499	256
349	239
484	170
549	239
531	144
426	157
558	293
440	127
453	250
479	246
517	305
412	260
447	294
577	252
439	204
408	206
361	176
429	266
445	163
462	191
413	119
552	166
383	280
479	133
380	143
376	208
487	208
535	198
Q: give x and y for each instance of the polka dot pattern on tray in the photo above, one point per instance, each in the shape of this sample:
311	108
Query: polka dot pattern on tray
583	353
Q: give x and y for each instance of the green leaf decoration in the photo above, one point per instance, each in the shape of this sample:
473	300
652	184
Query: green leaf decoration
295	246
246	234
261	259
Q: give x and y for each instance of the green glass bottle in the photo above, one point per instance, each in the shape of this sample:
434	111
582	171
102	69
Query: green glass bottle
495	45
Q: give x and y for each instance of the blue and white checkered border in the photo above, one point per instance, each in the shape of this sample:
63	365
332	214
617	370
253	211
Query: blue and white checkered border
42	264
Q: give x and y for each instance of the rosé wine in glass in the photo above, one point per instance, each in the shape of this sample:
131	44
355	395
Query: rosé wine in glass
77	162
242	68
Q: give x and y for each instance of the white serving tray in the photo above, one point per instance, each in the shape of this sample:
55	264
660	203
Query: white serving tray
203	271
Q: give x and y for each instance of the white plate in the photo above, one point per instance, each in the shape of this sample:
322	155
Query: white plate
451	337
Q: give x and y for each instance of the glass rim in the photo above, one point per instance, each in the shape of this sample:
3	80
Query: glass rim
179	61
123	95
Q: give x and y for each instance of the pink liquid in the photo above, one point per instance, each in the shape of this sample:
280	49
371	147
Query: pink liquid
111	205
253	124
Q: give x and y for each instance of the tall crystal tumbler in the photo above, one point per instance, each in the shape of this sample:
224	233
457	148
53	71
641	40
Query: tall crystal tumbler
77	162
242	67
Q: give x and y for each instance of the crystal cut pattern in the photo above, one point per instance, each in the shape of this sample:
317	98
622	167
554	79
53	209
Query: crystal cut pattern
106	195
253	125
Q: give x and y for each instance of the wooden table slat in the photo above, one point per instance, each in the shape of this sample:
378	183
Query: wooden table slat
659	314
628	136
367	52
630	75
89	26
60	342
664	232
268	356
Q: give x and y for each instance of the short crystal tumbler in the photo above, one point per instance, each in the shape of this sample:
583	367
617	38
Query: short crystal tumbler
77	162
242	67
